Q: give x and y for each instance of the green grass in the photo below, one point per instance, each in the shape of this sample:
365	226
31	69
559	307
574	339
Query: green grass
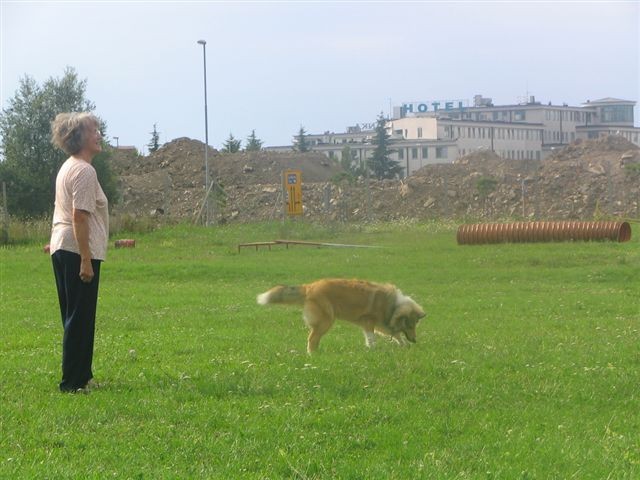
527	365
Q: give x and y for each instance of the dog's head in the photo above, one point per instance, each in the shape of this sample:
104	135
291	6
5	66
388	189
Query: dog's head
405	318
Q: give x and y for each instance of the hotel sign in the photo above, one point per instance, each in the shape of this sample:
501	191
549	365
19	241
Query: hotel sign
433	106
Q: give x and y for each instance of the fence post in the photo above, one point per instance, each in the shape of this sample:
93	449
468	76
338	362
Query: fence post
4	237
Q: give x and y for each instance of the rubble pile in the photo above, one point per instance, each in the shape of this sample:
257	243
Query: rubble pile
170	181
590	178
585	180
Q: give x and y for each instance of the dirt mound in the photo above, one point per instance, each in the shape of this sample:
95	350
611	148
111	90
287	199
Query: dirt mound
183	160
170	181
585	180
589	177
488	160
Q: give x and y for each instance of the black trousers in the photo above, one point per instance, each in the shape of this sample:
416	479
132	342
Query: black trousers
78	302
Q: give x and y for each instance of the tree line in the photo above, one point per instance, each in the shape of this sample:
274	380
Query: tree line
29	162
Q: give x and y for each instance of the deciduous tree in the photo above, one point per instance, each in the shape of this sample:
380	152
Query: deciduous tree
29	162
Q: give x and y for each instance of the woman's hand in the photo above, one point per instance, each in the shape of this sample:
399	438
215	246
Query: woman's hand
86	270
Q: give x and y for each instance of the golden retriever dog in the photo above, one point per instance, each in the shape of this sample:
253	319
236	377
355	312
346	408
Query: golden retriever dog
376	308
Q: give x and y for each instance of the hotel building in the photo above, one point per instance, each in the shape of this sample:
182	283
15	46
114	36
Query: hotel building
424	133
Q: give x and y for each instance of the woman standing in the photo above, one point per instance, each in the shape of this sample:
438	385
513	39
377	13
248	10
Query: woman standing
78	243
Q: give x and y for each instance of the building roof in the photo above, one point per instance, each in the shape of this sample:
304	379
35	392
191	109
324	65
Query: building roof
609	100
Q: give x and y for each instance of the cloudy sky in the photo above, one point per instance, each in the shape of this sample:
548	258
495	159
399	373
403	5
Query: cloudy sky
275	66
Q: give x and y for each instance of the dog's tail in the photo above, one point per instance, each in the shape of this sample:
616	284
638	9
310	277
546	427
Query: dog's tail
283	294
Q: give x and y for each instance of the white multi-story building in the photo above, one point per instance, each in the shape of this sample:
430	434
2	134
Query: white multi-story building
423	133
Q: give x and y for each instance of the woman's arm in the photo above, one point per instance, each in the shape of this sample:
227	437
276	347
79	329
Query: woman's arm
81	232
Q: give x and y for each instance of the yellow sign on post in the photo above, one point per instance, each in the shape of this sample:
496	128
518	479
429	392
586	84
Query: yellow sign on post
293	188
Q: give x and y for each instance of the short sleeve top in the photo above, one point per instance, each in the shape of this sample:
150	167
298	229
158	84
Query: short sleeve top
77	187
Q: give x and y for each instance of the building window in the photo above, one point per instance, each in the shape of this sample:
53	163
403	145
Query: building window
425	152
441	152
419	132
519	115
616	114
401	154
414	153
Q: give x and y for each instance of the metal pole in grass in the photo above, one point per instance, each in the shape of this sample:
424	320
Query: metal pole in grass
206	140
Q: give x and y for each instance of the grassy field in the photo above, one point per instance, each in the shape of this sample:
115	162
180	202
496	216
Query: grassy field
526	367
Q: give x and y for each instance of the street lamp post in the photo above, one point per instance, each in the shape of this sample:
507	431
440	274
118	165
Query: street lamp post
206	135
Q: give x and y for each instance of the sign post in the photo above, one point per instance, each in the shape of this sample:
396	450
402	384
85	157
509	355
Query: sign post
292	180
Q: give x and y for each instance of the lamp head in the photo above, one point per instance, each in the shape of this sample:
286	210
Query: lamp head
202	42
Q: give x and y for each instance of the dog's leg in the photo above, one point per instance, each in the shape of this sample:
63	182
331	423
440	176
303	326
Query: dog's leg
319	322
401	340
370	339
314	339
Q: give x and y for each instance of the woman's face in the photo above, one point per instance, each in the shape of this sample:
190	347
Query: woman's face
93	138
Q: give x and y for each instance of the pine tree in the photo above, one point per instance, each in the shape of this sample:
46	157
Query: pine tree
348	162
302	144
380	163
231	145
253	143
154	144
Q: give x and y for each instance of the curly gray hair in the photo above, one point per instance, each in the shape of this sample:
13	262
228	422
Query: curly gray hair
69	130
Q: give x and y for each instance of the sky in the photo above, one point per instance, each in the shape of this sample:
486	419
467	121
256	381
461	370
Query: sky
274	67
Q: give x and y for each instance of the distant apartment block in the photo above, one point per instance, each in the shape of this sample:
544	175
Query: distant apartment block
424	133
